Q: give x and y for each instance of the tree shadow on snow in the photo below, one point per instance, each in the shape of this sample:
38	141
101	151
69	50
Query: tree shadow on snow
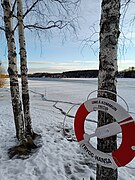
25	150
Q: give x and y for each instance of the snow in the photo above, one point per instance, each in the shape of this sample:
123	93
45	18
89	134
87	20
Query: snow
59	157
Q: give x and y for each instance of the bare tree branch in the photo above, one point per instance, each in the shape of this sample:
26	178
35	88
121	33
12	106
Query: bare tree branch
92	40
30	9
15	27
13	7
1	28
58	24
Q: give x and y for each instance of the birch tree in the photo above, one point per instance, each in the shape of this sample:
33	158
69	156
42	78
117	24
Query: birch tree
24	79
41	22
109	34
12	71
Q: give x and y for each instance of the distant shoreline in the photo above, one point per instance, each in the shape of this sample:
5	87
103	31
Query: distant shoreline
80	74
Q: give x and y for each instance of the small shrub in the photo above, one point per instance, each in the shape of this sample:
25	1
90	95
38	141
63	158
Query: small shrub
2	80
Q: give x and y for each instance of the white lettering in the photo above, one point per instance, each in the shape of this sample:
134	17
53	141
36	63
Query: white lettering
96	157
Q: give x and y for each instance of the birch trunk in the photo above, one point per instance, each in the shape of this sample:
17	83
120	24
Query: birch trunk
24	79
109	34
12	70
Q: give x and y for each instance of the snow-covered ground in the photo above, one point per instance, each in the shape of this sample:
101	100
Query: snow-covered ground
59	157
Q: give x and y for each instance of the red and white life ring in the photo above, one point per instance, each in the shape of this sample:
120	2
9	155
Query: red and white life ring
124	122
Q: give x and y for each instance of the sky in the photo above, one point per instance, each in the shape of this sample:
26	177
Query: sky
58	53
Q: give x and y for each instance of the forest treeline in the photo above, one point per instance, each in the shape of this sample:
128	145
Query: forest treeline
68	74
82	74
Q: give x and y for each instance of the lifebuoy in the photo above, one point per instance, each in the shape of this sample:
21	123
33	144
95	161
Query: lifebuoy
124	122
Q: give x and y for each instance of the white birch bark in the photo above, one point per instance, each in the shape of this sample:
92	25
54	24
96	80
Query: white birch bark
23	64
12	70
109	34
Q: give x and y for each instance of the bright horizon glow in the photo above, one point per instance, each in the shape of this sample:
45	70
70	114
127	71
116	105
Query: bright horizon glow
50	67
74	65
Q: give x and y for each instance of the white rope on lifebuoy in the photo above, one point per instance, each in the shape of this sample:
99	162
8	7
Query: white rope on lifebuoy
124	122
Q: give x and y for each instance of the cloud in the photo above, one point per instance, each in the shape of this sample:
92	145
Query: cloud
52	66
56	66
40	62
